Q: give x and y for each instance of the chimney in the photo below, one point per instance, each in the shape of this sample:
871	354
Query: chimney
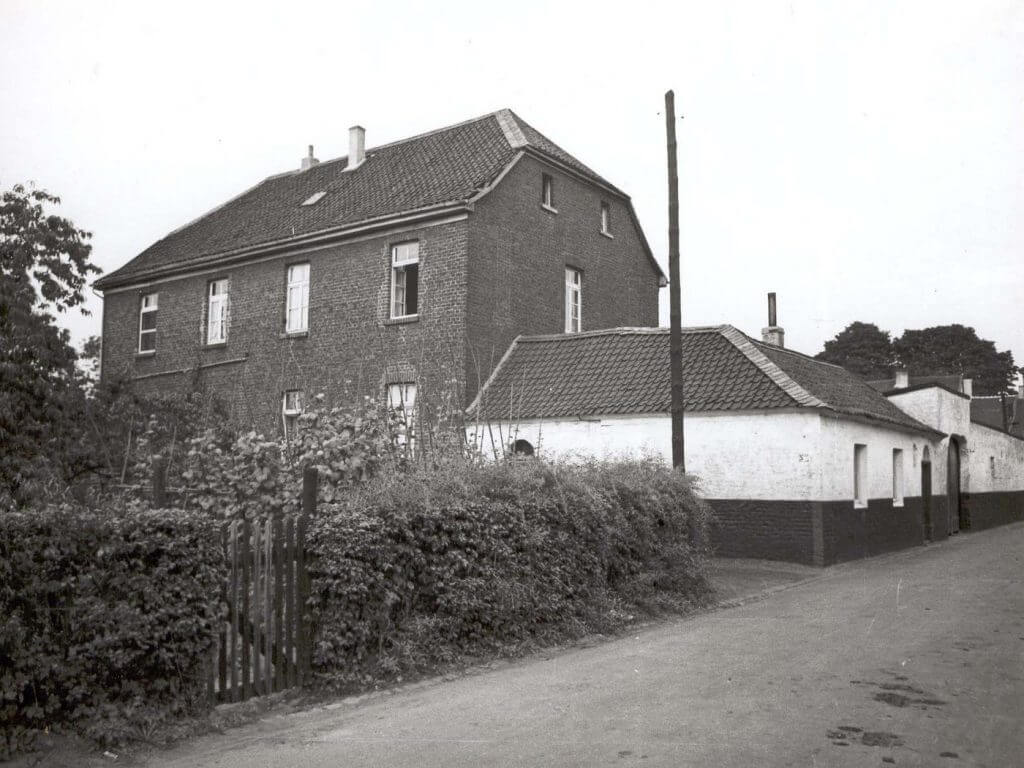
968	387
356	147
308	161
902	379
773	334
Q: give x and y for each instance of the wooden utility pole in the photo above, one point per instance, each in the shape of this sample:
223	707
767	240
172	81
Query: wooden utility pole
674	288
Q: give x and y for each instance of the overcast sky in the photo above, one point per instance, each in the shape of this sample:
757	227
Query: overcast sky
863	160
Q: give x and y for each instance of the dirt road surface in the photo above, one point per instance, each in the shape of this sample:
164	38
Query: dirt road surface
913	659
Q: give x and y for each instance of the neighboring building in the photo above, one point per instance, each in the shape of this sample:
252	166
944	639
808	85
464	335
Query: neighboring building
406	268
1002	412
800	459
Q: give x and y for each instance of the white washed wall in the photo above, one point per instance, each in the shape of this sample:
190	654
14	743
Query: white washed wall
736	456
984	445
936	408
838	436
761	455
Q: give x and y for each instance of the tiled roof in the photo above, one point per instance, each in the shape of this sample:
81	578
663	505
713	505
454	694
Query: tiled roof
986	410
952	382
447	166
626	371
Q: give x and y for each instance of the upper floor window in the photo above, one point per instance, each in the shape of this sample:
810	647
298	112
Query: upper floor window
606	218
402	402
897	477
147	323
291	409
217	312
405	279
297	299
547	191
860	475
573	299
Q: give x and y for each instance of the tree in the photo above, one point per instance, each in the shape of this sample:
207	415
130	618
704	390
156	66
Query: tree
44	266
861	348
956	349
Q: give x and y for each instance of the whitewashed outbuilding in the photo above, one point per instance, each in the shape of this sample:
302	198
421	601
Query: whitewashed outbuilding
800	459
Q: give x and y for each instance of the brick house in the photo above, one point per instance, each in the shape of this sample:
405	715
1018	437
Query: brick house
407	268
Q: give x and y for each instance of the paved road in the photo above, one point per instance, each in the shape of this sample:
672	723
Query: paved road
915	658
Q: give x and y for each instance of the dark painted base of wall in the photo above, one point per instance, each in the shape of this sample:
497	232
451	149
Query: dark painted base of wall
829	532
987	510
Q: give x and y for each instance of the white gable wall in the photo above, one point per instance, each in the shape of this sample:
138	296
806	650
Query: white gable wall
989	449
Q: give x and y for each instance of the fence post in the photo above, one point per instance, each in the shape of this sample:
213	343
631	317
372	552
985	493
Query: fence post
309	484
159	482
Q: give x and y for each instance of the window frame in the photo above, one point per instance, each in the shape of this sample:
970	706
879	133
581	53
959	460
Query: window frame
860	475
606	218
898	490
224	304
400	267
573	290
547	192
143	311
406	436
289	416
303	307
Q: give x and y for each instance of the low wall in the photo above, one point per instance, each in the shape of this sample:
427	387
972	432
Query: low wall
987	510
818	532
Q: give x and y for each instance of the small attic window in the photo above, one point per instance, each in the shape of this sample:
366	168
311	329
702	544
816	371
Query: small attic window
315	198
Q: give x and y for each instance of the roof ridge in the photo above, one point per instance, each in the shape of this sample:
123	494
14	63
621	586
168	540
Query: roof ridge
510	126
395	143
617	331
783	380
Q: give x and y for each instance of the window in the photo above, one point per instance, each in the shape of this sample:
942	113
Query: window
402	402
291	408
573	299
897	477
606	218
217	312
547	192
405	279
297	299
147	323
992	466
860	475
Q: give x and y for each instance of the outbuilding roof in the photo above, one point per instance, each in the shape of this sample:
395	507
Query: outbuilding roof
995	412
434	171
620	371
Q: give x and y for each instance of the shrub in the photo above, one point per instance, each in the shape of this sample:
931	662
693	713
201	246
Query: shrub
413	570
106	620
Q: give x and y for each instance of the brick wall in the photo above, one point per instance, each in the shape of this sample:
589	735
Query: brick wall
518	252
350	339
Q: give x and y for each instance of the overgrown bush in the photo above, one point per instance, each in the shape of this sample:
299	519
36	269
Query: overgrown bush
414	570
106	619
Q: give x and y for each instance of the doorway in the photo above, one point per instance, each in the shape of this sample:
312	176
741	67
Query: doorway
953	485
926	492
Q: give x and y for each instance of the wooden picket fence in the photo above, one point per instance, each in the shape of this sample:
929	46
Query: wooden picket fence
264	646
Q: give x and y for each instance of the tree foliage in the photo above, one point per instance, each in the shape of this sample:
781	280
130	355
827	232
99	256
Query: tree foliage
861	348
956	349
44	266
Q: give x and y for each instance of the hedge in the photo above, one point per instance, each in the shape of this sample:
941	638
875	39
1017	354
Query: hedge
106	620
415	571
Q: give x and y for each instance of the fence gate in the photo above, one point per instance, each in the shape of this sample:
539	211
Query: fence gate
264	644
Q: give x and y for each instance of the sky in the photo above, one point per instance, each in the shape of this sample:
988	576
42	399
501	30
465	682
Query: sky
862	160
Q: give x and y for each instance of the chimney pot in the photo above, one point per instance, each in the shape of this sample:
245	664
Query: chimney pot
773	334
356	147
308	161
902	379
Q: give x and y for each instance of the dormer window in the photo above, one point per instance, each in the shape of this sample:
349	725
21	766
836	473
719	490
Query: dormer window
547	192
315	198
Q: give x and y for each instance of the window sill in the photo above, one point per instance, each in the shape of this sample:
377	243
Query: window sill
609	235
294	335
149	353
402	320
216	345
548	208
860	504
898	504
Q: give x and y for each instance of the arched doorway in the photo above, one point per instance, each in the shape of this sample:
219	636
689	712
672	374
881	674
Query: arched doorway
926	492
522	448
953	490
